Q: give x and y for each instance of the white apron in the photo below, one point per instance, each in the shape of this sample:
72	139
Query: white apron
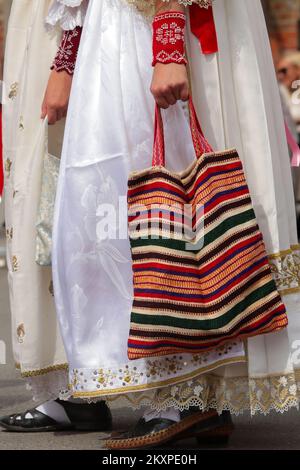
37	344
109	133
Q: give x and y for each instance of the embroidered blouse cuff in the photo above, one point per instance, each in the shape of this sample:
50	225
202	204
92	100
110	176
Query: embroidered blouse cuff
169	38
65	59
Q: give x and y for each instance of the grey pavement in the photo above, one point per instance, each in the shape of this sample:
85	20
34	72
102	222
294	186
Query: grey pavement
274	431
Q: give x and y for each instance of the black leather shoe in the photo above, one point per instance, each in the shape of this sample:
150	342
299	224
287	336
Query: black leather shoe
83	417
38	423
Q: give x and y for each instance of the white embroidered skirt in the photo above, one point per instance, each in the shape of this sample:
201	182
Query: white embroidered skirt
109	133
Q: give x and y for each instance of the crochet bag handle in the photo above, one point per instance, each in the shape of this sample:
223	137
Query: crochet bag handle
199	141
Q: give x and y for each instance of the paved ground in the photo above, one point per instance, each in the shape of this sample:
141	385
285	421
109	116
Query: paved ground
272	432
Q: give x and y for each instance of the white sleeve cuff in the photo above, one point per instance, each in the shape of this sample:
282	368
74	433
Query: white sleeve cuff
66	14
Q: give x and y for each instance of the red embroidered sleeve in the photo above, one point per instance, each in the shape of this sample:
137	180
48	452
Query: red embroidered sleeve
169	38
66	56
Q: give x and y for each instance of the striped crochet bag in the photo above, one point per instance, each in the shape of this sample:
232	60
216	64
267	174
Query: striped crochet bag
201	272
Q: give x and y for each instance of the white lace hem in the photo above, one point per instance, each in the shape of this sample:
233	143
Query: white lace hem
196	402
236	394
66	14
48	386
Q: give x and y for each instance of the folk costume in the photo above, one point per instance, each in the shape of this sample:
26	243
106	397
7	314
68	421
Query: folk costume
109	133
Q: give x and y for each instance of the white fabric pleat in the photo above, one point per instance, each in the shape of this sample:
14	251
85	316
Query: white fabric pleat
37	344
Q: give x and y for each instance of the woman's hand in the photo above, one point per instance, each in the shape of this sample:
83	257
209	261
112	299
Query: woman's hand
56	100
169	84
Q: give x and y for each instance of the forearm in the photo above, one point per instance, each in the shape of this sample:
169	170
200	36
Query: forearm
56	100
172	5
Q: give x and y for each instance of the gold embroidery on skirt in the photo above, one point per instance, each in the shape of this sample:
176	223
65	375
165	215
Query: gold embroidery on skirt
46	370
15	264
9	233
21	123
21	333
129	380
8	165
13	91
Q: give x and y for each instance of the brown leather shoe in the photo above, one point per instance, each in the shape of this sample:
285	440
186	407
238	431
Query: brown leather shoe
160	431
218	430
